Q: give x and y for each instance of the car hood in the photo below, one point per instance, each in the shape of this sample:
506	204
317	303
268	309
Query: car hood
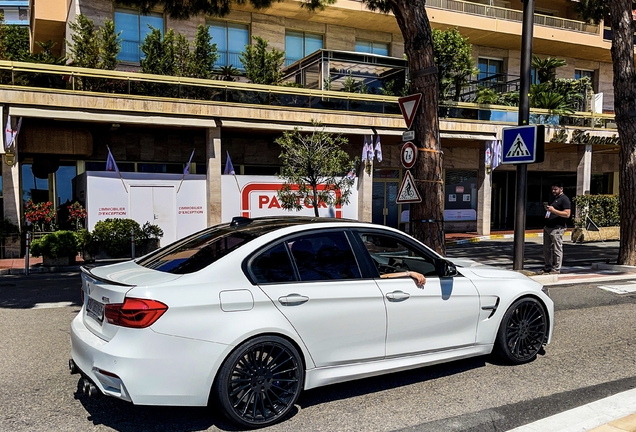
484	270
131	273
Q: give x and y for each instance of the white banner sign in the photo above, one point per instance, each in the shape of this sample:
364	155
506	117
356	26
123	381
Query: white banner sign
254	196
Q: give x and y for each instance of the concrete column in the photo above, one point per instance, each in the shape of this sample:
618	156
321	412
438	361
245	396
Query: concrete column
213	155
364	184
615	183
10	178
484	192
584	170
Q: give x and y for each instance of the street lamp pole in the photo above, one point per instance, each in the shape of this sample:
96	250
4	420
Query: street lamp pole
524	119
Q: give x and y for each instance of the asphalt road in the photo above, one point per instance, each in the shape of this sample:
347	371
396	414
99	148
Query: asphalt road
592	356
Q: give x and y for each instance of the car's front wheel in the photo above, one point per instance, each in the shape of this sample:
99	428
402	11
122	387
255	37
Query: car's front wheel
522	331
260	381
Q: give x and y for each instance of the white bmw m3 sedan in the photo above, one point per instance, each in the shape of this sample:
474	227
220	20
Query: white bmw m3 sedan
245	315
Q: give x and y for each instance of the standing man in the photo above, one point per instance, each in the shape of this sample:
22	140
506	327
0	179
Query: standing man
556	216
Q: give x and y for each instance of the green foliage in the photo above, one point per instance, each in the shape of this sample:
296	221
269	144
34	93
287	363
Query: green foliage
313	160
486	95
14	42
602	209
546	68
592	10
109	46
204	54
227	73
84	45
46	55
57	244
262	66
113	235
85	241
388	89
455	65
173	55
154	52
151	231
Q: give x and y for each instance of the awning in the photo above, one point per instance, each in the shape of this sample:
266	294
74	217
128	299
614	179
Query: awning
469	136
111	118
353	130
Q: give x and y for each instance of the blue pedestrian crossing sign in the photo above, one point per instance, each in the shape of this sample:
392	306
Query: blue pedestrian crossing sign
523	144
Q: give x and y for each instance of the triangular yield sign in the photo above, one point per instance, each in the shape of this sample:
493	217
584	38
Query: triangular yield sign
518	149
408	192
408	106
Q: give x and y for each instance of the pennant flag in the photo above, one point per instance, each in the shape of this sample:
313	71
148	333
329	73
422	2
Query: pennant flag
365	150
111	165
186	170
229	168
378	148
496	153
370	148
10	133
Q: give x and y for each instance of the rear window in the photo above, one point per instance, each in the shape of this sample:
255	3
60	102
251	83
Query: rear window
199	250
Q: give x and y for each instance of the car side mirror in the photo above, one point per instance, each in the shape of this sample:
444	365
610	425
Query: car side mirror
446	268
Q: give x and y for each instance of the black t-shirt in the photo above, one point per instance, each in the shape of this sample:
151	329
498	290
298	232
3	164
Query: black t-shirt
561	202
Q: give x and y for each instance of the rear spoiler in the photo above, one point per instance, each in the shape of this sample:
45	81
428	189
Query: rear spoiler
88	272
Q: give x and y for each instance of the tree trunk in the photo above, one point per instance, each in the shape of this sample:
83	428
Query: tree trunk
427	217
625	110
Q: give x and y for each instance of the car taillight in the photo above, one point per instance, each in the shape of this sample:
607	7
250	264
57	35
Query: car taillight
134	313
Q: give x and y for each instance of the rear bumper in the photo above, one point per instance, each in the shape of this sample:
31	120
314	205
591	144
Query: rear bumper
148	368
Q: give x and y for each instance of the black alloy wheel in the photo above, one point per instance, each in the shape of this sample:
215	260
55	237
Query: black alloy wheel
260	381
522	331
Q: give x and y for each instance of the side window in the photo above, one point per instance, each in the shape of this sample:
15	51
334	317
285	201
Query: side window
273	266
324	256
391	255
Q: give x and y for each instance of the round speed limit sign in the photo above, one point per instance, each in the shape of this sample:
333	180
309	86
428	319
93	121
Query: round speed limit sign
408	155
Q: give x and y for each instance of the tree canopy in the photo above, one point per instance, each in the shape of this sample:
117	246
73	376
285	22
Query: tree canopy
314	168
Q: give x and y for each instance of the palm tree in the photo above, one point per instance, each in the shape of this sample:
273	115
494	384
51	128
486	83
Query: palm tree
546	68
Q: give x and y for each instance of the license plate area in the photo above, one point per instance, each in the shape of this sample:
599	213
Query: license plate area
95	310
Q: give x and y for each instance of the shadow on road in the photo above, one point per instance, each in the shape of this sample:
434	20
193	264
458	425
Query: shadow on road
25	292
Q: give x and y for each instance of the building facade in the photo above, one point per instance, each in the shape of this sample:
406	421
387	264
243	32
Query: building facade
66	130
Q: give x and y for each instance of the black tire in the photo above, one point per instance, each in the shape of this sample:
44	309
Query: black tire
522	331
260	381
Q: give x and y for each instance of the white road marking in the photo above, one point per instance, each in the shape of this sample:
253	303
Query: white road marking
619	289
51	305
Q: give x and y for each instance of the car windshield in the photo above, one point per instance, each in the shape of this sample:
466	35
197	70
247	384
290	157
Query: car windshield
203	248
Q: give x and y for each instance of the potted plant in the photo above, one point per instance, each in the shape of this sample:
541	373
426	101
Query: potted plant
86	244
113	238
56	248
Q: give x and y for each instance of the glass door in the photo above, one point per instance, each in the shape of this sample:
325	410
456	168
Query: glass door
384	209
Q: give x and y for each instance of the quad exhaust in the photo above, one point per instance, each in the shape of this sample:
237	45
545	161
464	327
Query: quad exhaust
85	384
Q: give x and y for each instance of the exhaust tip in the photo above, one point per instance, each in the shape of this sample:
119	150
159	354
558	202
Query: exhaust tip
72	367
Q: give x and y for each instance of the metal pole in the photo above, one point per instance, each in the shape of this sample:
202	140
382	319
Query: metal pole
132	242
26	255
524	119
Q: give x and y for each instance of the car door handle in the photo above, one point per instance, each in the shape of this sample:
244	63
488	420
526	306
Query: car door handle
397	296
293	300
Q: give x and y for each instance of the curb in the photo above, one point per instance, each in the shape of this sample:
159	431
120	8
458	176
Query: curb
491	237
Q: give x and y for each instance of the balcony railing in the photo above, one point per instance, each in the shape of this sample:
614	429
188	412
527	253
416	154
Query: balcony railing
104	83
511	15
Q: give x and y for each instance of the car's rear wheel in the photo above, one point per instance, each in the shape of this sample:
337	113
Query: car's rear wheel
522	331
260	381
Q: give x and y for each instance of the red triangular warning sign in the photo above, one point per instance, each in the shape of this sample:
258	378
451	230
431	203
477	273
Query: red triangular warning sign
408	191
408	106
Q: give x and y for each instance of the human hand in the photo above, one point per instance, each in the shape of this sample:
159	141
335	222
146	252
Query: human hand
419	278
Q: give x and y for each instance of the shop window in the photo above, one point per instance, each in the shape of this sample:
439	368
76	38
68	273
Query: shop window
490	70
230	40
134	28
372	47
299	45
